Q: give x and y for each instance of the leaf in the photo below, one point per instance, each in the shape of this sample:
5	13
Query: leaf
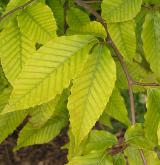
14	3
133	156
119	159
30	135
4	97
9	122
42	113
123	35
116	108
77	17
94	158
105	120
90	28
37	23
135	136
152	1
91	91
99	140
49	71
3	81
151	40
137	72
151	158
58	11
16	49
120	10
152	117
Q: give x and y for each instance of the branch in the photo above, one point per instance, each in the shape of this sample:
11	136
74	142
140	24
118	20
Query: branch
145	84
15	9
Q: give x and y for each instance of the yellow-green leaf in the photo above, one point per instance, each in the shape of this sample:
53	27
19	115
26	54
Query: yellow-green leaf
123	35
91	91
120	10
151	40
38	23
49	71
116	108
92	28
16	49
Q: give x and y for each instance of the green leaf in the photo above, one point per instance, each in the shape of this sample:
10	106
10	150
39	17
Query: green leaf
77	18
151	40
152	117
123	35
37	22
151	158
152	1
3	81
92	28
49	71
91	91
14	3
9	122
30	135
119	159
4	97
120	10
16	49
105	120
135	136
133	156
58	11
94	158
42	113
137	72
116	108
99	140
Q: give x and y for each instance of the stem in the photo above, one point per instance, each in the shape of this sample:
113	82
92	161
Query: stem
15	9
120	58
142	157
145	84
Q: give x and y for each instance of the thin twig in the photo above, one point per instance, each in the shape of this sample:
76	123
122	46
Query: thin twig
120	58
145	84
15	9
90	2
142	157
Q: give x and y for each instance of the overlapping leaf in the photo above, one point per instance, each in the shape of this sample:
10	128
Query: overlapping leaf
135	136
123	35
91	91
120	10
30	135
37	22
77	17
151	40
16	48
4	98
42	113
58	11
49	71
116	107
152	117
92	28
133	156
99	140
94	158
9	122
